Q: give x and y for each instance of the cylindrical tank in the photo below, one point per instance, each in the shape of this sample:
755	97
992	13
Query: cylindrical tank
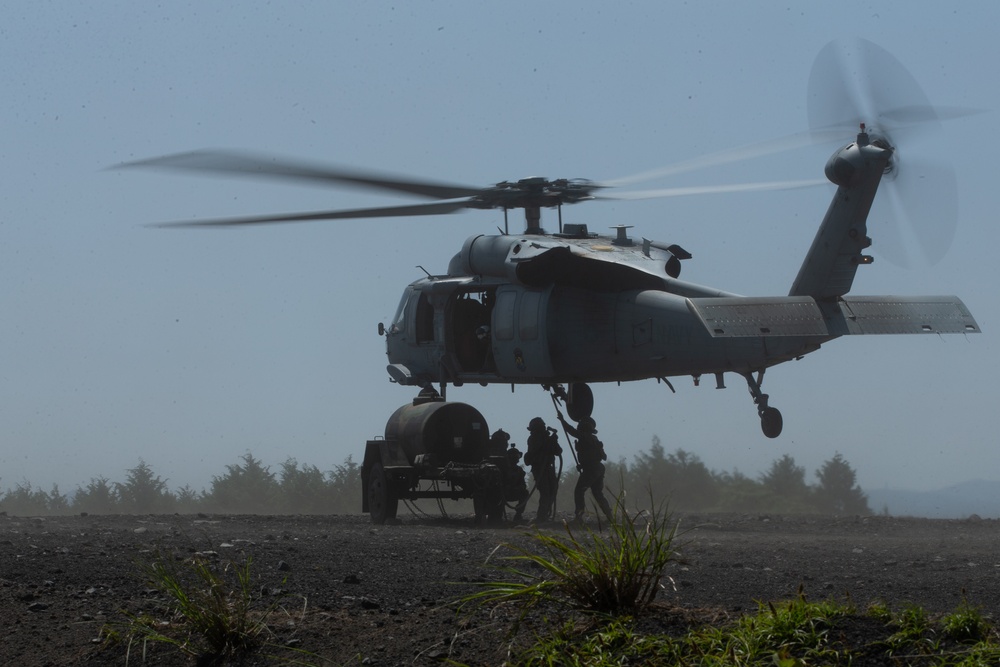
441	432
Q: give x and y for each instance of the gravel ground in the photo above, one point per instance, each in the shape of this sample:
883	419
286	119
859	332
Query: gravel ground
355	593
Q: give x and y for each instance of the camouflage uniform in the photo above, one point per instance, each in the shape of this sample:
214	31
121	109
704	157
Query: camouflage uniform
515	488
590	456
543	448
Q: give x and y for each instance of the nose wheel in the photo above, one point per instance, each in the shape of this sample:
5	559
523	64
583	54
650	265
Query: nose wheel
770	418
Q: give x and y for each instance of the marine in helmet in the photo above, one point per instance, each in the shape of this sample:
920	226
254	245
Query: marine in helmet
590	463
543	448
515	487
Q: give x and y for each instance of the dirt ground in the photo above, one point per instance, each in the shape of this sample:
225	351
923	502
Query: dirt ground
354	593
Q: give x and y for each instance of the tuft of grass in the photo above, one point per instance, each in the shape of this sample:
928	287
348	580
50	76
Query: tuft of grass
211	610
880	612
913	631
615	643
784	634
965	625
797	633
618	571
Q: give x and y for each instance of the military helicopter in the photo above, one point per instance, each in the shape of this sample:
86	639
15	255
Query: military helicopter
572	307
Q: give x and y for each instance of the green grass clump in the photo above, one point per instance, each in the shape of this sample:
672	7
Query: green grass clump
797	633
912	632
776	633
617	571
211	610
965	625
880	612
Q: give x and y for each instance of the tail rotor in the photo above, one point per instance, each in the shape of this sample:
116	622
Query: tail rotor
854	81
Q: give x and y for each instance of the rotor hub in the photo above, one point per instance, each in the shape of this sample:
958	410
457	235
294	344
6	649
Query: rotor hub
534	192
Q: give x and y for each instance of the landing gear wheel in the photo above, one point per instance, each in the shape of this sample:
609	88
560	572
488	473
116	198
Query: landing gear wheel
771	422
382	502
580	402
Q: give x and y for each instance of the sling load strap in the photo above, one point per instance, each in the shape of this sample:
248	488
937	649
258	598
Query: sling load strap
553	393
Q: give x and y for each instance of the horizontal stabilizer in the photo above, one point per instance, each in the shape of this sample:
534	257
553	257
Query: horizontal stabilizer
731	317
906	315
735	317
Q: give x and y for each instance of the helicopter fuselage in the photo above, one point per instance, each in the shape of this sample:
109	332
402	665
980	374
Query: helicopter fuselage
594	322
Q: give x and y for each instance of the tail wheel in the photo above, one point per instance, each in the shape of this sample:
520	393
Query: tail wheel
771	422
580	402
382	502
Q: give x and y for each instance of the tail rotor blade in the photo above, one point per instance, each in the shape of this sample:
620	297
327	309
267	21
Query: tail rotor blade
914	216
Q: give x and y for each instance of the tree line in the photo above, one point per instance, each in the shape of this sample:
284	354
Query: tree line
248	486
685	483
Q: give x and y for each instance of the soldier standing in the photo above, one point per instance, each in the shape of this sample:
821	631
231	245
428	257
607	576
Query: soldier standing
543	448
590	456
515	488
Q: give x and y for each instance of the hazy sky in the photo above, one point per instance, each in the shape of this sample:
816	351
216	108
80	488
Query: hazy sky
188	348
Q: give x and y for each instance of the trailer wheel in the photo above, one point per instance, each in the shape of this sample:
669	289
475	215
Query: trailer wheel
489	509
382	502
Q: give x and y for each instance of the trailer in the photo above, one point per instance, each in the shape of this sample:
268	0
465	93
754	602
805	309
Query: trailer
436	449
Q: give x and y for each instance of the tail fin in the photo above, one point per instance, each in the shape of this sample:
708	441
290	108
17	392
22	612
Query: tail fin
836	252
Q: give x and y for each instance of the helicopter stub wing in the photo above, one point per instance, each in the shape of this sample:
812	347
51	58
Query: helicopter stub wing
735	317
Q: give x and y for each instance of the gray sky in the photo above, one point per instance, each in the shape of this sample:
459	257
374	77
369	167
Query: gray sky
188	348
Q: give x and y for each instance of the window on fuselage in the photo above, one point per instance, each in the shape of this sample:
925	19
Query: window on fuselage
503	316
528	322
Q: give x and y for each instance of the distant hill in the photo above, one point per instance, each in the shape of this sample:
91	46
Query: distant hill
979	496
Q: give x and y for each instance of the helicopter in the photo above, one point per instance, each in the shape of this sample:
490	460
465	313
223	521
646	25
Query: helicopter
568	308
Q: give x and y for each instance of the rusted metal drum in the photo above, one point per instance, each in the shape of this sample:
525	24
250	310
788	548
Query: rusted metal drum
439	432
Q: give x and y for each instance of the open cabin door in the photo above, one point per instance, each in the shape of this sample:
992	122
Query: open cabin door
468	324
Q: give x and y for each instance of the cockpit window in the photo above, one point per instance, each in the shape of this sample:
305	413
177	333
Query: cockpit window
399	319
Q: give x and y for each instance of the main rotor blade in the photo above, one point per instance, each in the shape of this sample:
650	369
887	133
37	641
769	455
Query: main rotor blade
843	130
245	164
715	189
739	154
436	208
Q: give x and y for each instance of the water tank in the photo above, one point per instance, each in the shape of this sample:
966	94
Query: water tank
439	432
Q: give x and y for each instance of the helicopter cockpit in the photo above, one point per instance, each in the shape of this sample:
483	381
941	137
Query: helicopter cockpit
444	325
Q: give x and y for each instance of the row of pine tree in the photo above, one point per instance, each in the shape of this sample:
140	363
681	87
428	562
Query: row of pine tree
679	479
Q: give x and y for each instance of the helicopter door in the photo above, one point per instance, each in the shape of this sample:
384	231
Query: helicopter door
469	318
520	345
